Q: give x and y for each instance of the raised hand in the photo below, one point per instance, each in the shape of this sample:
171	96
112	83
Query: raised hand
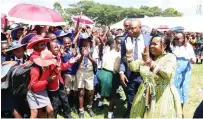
62	50
129	46
145	55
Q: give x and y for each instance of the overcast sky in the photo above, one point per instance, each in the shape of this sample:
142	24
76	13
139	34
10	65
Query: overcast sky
187	7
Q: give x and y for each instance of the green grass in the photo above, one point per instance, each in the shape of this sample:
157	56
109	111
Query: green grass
194	95
193	100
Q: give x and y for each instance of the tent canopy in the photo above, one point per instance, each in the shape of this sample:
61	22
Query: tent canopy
190	23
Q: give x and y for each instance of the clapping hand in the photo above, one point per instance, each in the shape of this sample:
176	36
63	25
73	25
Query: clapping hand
62	50
74	52
51	78
85	51
73	60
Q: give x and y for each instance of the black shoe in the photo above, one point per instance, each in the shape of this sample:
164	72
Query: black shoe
81	115
69	116
91	112
75	110
125	101
126	115
101	107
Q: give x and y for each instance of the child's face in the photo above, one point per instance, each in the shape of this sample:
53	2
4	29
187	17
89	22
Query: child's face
19	52
19	33
52	37
54	48
4	47
67	43
86	43
40	46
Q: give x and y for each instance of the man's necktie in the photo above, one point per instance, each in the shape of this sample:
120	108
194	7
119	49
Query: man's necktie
135	49
18	61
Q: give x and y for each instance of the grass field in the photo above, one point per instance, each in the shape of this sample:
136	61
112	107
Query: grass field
193	101
194	95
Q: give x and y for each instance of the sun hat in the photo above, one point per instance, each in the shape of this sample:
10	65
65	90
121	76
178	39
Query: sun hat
14	45
45	59
85	36
14	25
61	33
14	32
27	38
36	39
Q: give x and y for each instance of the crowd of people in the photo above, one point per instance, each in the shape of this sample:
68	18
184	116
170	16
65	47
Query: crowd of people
70	67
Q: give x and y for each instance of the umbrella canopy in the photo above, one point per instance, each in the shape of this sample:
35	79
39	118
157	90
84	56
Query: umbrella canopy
162	28
84	20
3	18
177	28
35	15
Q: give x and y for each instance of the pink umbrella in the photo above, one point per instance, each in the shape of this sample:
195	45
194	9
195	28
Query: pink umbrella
35	15
84	20
162	28
4	20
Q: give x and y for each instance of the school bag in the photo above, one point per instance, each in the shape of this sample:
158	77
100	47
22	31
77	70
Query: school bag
19	78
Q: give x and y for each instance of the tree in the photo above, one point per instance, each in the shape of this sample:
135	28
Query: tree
58	7
170	12
156	11
108	14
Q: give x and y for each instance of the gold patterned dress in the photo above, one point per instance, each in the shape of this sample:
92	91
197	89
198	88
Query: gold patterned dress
156	97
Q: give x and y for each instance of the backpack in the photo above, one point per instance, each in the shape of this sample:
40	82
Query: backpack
19	78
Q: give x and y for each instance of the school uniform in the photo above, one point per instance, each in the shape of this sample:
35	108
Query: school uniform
34	55
85	74
37	97
108	76
20	102
56	90
70	73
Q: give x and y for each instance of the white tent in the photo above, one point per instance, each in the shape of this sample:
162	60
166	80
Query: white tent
190	23
118	25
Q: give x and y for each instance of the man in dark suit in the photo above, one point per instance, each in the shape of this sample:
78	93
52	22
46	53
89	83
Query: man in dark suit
129	79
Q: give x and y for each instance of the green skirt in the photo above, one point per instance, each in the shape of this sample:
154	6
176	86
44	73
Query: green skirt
109	82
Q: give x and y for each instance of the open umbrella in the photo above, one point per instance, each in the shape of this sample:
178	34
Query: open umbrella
84	20
162	28
3	18
35	15
177	28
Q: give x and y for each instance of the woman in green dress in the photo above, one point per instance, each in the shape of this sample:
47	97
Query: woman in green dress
156	97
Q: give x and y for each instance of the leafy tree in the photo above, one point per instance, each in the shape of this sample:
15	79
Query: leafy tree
58	7
108	14
170	12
